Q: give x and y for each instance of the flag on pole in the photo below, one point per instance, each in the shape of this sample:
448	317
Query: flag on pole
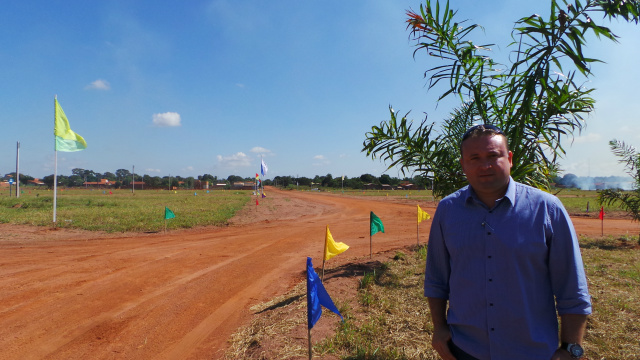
66	139
332	248
376	224
257	176
422	215
168	214
264	195
601	215
263	168
317	296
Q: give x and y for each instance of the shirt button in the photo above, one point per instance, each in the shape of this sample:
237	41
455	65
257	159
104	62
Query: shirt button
489	233
489	256
491	304
492	329
490	279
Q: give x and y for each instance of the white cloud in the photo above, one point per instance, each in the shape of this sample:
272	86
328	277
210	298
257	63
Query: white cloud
98	85
152	170
588	139
189	168
320	160
239	159
168	119
240	85
260	150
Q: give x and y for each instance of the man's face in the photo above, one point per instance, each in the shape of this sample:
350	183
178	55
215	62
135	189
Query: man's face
487	163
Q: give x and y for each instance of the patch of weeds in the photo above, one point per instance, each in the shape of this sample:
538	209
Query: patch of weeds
399	256
367	280
421	252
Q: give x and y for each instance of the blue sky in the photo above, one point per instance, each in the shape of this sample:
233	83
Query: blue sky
188	88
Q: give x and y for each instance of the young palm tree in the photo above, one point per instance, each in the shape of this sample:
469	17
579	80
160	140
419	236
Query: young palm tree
629	201
537	100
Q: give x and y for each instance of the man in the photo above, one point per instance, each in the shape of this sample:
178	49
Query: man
505	257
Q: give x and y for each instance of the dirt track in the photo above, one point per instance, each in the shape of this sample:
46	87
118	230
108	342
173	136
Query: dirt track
78	295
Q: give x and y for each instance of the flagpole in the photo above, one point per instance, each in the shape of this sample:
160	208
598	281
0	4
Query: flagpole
309	330
55	186
55	165
18	170
324	255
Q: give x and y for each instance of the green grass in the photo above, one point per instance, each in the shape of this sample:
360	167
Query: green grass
613	271
122	211
394	323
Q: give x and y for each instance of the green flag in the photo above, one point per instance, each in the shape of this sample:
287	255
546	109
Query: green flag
66	139
376	224
168	214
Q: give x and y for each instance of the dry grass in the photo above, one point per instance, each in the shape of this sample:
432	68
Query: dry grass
386	316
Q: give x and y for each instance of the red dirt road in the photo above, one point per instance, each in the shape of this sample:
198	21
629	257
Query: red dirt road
80	295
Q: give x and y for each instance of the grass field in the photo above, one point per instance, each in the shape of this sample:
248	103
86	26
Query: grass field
122	210
387	317
143	211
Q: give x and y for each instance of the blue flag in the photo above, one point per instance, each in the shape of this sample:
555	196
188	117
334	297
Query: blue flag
316	296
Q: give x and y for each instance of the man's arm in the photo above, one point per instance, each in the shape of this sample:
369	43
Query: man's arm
572	328
441	332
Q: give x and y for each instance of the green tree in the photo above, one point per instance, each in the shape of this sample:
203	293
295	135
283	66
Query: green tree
629	201
189	182
326	180
530	99
368	178
123	174
48	180
234	178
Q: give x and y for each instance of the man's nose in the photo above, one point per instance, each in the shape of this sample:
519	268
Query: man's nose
486	163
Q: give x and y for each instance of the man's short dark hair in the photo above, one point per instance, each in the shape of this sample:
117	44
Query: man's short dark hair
482	130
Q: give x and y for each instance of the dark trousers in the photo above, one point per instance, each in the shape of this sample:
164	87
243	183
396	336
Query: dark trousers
459	353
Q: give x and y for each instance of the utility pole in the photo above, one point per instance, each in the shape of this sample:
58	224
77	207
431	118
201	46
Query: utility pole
133	179
17	171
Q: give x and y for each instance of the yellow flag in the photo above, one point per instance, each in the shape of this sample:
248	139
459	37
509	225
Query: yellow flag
422	215
332	248
66	139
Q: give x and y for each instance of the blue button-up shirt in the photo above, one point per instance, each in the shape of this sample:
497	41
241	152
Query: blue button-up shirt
501	268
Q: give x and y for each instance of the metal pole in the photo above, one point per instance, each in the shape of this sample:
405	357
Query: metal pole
55	186
18	170
133	179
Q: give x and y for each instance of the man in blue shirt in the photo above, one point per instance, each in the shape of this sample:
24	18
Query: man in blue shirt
505	258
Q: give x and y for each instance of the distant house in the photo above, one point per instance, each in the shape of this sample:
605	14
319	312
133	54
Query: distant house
103	183
138	185
201	185
370	186
405	185
36	182
386	187
218	186
249	185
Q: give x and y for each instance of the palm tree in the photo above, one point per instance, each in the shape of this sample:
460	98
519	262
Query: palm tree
536	100
629	201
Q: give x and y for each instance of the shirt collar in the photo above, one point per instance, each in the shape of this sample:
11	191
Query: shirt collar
470	195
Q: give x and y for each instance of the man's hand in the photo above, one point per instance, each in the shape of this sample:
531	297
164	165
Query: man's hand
440	342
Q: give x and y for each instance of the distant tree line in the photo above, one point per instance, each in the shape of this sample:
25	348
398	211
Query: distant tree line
122	178
328	181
